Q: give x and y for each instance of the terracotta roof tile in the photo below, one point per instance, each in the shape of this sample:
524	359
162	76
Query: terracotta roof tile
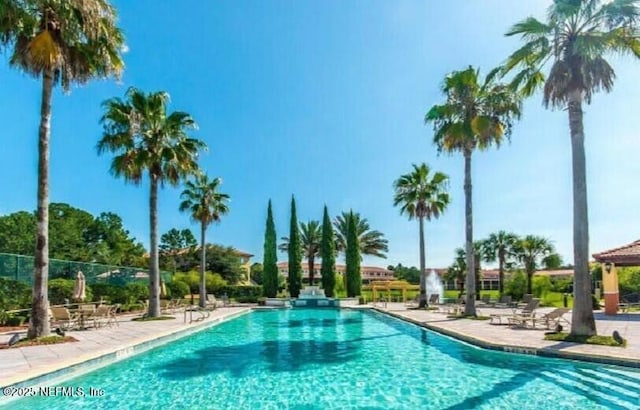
624	255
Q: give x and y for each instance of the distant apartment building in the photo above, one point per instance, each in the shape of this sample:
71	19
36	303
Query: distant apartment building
368	273
490	278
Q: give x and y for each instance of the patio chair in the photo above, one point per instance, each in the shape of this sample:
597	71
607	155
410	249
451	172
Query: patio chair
413	303
553	318
528	313
211	302
101	316
628	301
63	318
504	302
454	308
485	301
526	298
434	299
515	317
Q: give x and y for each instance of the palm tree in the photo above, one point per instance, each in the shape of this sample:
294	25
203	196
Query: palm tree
500	246
458	269
421	194
62	42
206	205
145	139
371	242
311	238
531	251
476	115
572	45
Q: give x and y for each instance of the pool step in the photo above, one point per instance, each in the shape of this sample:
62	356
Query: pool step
602	387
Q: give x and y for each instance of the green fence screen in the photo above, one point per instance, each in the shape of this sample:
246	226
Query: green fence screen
20	268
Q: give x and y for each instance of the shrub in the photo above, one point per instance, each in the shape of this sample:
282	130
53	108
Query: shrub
629	280
15	320
516	286
61	290
14	295
214	282
237	292
541	286
136	291
247	299
178	289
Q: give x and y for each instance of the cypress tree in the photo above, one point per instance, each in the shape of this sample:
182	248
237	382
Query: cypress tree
328	255
270	261
352	259
295	254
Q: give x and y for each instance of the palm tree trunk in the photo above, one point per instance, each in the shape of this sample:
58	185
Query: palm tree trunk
529	282
203	263
422	301
470	306
154	268
39	323
477	276
583	322
500	273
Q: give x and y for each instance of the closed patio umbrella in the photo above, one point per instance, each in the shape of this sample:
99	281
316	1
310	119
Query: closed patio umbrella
163	289
79	288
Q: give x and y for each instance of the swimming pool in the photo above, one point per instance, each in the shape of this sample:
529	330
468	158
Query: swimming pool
339	359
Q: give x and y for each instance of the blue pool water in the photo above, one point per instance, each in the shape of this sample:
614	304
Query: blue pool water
342	359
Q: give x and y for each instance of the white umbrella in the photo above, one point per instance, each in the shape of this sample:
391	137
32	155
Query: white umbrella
79	288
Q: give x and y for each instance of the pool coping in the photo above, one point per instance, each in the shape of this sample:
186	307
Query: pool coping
533	351
95	360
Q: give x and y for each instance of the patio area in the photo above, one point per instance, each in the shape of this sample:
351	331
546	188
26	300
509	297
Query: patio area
531	341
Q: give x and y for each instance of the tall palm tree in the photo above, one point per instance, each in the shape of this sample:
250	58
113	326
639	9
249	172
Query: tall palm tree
500	246
422	194
572	45
371	242
146	139
206	205
311	238
62	42
476	114
531	251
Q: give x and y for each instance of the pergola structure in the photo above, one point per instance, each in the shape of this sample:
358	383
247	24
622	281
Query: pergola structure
388	286
627	255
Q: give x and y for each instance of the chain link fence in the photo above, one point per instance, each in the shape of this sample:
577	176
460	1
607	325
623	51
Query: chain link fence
20	268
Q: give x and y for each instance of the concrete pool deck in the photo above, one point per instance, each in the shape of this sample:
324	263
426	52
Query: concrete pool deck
530	341
18	365
21	364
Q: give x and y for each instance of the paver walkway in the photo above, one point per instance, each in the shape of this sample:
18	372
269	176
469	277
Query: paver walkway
627	324
19	364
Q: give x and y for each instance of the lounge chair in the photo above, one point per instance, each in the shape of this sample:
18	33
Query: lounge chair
485	301
528	313
61	317
504	302
516	317
454	308
552	319
628	301
526	298
412	303
211	302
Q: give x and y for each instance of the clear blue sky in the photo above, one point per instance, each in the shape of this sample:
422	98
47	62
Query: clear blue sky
326	100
